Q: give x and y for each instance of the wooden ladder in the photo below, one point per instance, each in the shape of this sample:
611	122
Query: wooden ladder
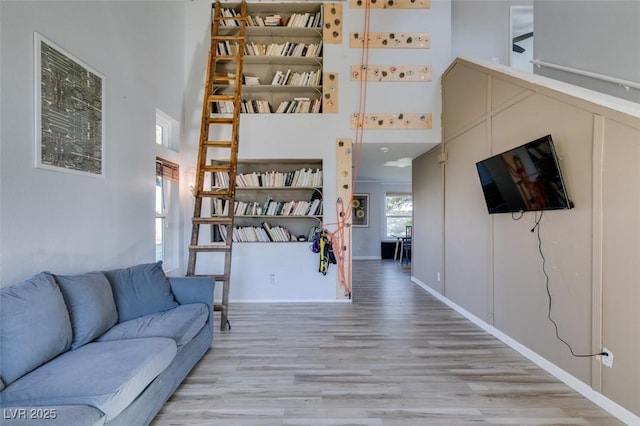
218	152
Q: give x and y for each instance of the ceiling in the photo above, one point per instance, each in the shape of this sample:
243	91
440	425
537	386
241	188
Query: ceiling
372	161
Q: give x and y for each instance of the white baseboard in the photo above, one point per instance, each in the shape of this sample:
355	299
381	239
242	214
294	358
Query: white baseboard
579	386
366	258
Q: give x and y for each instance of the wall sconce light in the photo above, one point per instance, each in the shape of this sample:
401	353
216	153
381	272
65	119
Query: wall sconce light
190	178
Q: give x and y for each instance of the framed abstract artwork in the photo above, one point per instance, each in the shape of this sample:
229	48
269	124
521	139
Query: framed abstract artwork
360	210
69	111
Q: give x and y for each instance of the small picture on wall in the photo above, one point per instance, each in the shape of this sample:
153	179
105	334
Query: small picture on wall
360	210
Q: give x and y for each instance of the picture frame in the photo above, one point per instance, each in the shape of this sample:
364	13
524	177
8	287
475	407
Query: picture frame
360	210
69	112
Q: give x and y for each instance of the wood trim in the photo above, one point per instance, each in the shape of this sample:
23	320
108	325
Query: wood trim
167	169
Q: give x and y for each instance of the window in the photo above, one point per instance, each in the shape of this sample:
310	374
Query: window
167	196
166	211
167	131
161	135
398	214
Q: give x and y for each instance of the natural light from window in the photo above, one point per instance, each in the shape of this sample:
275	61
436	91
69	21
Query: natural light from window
398	214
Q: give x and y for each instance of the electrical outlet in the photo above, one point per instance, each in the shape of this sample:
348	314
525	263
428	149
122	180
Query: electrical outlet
438	276
607	359
272	279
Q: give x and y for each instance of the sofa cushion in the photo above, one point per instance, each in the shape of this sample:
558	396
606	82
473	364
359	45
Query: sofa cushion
140	290
91	306
35	326
180	324
105	375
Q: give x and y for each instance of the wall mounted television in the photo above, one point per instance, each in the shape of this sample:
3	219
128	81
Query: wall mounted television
525	178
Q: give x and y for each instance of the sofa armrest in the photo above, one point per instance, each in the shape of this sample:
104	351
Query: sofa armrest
194	290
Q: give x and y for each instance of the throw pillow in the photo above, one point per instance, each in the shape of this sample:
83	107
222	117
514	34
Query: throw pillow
35	326
140	290
91	306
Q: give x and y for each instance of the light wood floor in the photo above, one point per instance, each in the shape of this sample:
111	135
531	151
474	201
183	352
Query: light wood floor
396	356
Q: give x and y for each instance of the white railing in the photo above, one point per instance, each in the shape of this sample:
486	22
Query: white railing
627	84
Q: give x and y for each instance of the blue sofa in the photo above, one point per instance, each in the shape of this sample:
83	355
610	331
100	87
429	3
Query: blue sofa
101	348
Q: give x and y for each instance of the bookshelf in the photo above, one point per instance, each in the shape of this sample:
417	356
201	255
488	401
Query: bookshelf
282	58
277	201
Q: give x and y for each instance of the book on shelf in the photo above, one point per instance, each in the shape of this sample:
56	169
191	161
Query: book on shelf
305	20
262	233
273	21
304	177
225	107
255	106
229	13
293	106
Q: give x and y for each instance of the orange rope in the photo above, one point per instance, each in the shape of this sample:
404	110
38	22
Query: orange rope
343	212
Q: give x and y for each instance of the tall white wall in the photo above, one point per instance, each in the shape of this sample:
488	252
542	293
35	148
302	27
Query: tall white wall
314	136
66	223
480	29
596	36
153	55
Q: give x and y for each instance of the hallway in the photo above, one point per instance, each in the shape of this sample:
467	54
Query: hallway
395	356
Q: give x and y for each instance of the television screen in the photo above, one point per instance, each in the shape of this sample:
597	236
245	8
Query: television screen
524	178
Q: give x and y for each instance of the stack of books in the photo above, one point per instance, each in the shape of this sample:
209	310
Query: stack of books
273	21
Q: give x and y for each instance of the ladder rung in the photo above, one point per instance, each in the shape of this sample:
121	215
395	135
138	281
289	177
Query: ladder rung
214	194
214	220
230	18
218	144
216	167
223	78
220	120
218	277
210	248
221	98
227	37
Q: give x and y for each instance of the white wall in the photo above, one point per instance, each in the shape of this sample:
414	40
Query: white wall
66	223
153	55
314	136
480	29
597	36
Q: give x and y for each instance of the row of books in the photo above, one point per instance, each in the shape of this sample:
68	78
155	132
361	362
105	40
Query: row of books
220	207
283	78
305	177
293	78
288	49
305	20
256	106
296	20
299	105
248	106
224	48
253	234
